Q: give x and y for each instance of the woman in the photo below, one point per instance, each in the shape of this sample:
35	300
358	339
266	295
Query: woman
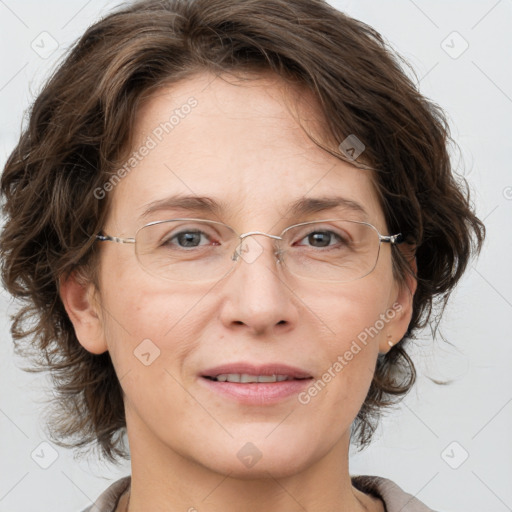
235	217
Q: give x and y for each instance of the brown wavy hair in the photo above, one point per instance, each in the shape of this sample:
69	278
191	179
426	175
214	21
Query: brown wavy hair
80	126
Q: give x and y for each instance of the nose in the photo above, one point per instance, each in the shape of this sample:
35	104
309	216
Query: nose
257	295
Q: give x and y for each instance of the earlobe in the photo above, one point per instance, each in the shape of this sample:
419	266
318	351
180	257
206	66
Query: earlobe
78	297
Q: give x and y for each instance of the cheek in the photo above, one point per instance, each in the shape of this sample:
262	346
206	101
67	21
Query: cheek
144	315
150	339
347	311
352	323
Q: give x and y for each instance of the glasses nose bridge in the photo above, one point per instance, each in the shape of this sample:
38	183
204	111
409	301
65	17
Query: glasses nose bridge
250	233
244	236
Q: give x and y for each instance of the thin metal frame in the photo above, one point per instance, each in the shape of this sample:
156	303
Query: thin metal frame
391	239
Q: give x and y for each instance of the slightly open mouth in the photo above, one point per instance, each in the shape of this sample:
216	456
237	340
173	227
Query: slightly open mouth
252	379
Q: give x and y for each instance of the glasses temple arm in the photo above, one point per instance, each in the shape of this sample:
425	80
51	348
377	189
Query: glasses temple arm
392	239
107	238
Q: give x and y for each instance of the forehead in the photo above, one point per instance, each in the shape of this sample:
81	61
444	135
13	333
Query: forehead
237	147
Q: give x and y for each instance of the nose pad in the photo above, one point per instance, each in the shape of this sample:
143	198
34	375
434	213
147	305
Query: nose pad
249	249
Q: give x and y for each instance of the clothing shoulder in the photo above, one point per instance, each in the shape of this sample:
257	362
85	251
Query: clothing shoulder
394	497
109	499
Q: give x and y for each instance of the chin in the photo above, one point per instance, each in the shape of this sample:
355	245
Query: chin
257	457
266	468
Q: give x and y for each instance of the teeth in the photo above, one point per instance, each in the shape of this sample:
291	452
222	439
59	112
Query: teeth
246	378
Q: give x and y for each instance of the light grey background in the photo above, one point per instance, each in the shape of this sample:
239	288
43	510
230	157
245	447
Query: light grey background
414	445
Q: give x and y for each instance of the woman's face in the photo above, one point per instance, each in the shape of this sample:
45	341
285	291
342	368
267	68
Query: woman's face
240	146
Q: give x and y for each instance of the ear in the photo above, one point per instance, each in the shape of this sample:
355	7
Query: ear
403	307
79	298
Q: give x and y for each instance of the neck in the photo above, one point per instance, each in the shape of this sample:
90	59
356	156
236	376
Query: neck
165	480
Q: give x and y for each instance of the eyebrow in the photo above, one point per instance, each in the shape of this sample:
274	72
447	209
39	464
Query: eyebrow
207	205
309	205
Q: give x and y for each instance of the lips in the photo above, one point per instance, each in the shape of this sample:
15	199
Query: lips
261	385
247	370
